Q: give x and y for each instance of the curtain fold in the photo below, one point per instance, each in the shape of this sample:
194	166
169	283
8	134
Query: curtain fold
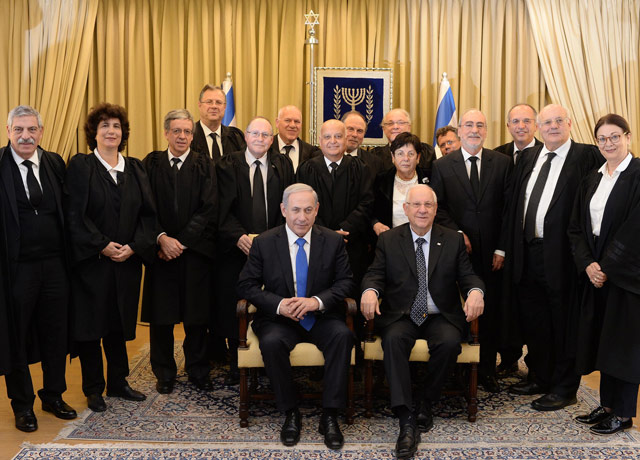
151	56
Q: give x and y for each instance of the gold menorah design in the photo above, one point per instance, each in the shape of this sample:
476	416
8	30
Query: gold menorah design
353	96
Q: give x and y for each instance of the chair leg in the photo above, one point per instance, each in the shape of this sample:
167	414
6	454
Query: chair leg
244	398
368	387
350	410
473	393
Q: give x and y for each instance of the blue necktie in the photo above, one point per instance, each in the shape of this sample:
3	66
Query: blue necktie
419	311
302	268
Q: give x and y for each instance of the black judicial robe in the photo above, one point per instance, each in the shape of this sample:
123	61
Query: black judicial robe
235	220
383	192
607	320
185	281
5	347
345	205
232	139
99	211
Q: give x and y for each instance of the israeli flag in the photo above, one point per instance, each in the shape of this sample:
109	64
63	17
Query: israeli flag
446	114
229	118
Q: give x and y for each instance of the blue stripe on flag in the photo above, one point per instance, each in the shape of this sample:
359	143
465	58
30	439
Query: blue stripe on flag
230	111
446	109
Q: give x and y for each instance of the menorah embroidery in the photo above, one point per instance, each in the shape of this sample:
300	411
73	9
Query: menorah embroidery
353	97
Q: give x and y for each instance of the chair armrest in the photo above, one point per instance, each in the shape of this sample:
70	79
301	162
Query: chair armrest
368	330
475	332
242	312
351	310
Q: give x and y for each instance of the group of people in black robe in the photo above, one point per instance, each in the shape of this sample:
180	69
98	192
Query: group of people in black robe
549	228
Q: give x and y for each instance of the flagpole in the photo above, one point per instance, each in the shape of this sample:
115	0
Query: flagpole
311	19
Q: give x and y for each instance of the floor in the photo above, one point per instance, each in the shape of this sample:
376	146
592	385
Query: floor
49	426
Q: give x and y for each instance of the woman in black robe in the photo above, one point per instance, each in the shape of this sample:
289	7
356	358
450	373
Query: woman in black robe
112	226
604	235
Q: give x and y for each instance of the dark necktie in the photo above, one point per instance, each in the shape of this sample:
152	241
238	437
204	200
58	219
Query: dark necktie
259	207
419	311
334	171
215	150
534	199
473	176
302	269
175	170
287	150
516	156
35	192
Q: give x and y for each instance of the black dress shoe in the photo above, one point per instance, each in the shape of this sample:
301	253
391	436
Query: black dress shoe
424	417
26	421
128	393
232	377
60	409
552	401
165	387
527	388
329	427
290	432
610	425
201	383
597	415
489	383
408	441
506	370
96	403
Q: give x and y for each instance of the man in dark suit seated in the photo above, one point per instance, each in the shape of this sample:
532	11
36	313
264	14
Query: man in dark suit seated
521	123
447	139
296	275
419	271
210	136
398	121
356	127
37	280
287	141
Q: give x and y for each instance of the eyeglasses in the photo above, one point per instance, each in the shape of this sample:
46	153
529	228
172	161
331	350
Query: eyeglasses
259	134
558	121
178	131
397	123
447	143
517	121
426	204
470	125
602	140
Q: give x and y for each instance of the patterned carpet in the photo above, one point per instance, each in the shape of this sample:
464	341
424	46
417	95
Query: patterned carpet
200	426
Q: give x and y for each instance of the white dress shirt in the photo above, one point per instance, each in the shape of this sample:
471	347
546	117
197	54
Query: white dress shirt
400	187
251	161
35	159
207	136
467	164
113	171
515	149
550	185
293	254
600	197
294	153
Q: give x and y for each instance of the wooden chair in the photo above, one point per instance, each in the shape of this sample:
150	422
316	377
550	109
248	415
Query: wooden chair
304	354
469	357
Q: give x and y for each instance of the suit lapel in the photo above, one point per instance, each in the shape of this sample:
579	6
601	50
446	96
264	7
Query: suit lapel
53	180
315	258
460	170
408	248
587	222
565	172
435	248
486	173
273	190
282	249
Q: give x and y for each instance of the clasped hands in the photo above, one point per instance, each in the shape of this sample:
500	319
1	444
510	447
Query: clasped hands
170	248
117	252
296	307
596	275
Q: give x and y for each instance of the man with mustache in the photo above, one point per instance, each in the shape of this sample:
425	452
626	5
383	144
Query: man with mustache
31	201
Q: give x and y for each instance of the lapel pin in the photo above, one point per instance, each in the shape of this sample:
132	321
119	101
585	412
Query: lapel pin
439	244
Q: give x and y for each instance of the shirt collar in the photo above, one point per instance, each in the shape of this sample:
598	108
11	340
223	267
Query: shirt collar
182	157
328	161
35	158
250	159
415	236
292	237
561	151
282	144
207	131
466	154
621	167
119	167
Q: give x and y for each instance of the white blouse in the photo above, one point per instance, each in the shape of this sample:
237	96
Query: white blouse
400	188
600	197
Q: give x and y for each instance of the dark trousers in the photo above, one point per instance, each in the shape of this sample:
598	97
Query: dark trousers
330	335
398	339
163	363
40	305
544	326
618	395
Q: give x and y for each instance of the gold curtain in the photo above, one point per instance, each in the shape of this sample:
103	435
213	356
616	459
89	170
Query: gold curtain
46	48
589	55
155	55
